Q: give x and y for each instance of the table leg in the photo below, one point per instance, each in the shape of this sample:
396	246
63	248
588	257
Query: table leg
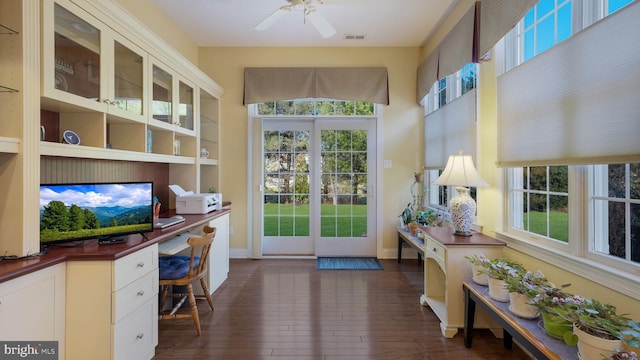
400	241
507	339
469	317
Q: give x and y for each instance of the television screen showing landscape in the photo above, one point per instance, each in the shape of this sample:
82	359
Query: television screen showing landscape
71	212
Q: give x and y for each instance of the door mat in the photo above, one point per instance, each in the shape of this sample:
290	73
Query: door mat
348	263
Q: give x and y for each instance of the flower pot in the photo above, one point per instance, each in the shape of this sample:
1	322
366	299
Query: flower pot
498	290
519	305
595	348
480	279
554	325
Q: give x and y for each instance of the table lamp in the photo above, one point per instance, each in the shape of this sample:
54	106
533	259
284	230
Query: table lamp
461	172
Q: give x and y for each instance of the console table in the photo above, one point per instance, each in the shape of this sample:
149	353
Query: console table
405	237
529	333
445	267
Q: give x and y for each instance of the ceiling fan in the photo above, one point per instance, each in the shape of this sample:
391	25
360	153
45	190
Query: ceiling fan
309	12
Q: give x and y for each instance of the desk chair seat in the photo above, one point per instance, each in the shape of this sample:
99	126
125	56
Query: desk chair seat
182	271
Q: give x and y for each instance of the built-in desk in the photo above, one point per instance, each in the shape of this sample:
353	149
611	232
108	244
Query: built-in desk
105	295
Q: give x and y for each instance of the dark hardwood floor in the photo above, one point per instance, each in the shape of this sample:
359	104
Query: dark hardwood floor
286	309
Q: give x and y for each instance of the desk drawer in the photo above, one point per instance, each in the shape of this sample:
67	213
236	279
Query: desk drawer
436	250
129	298
134	266
135	337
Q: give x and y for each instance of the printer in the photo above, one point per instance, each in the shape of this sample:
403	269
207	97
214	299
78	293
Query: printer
189	203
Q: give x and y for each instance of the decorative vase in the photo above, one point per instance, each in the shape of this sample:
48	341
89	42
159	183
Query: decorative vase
480	279
520	306
554	325
595	348
498	290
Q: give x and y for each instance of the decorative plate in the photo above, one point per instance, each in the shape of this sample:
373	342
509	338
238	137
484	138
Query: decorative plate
71	137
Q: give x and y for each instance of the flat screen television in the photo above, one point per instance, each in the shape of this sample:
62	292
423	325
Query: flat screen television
104	211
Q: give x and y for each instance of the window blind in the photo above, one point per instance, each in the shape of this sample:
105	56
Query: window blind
449	129
273	84
576	103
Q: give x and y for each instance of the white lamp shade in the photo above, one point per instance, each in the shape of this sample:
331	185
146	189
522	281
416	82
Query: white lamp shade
460	171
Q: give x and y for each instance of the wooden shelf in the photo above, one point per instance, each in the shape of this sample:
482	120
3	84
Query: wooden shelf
88	152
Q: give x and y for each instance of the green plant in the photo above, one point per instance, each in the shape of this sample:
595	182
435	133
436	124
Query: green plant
529	283
478	259
598	319
622	355
501	269
427	217
213	190
550	297
406	214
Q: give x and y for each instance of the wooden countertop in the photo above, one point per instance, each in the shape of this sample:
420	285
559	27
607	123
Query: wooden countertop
91	250
445	236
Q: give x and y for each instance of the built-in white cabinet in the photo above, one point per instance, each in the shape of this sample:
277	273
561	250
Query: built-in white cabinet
125	97
32	307
209	141
219	255
112	307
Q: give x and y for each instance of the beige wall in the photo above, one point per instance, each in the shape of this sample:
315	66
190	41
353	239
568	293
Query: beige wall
151	16
402	129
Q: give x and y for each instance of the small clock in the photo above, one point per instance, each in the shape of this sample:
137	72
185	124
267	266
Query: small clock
71	137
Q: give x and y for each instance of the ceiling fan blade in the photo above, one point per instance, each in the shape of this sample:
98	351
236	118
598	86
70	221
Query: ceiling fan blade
273	18
320	22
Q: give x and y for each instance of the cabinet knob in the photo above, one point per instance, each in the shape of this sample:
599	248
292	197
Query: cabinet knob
141	292
141	264
139	336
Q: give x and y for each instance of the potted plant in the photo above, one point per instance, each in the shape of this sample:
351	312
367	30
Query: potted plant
478	263
498	270
522	290
547	300
597	328
622	355
406	216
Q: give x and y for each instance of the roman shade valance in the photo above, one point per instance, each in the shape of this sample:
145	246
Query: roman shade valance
498	17
454	51
479	29
450	128
576	103
344	83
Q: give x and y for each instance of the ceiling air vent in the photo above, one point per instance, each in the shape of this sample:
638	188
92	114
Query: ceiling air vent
354	37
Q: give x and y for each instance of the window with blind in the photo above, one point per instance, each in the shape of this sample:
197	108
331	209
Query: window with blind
568	125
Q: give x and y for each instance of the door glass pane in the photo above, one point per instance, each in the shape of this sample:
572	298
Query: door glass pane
128	79
186	106
286	183
344	183
77	55
162	94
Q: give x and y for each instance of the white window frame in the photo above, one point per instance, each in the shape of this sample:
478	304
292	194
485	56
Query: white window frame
577	256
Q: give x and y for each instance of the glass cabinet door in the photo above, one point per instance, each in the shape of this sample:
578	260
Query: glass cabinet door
77	55
162	95
127	79
185	106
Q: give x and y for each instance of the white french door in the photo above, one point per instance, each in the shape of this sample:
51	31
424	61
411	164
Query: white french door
318	181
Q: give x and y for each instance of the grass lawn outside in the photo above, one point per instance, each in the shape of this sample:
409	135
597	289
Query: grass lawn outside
335	220
536	222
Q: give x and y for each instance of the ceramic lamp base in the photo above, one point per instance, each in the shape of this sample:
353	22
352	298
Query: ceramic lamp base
463	209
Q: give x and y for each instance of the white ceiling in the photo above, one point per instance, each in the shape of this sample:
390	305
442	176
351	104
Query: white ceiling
231	22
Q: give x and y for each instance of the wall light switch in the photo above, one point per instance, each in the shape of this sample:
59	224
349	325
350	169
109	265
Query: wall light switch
387	164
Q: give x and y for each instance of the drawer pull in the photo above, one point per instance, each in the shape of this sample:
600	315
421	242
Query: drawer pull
141	292
141	264
139	336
